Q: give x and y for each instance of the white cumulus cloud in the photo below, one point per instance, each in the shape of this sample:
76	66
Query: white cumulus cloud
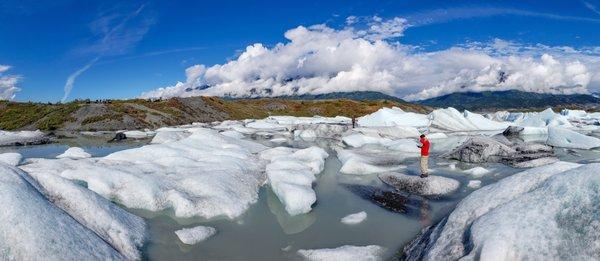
8	84
367	56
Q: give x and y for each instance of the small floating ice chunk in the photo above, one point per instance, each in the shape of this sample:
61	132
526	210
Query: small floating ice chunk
561	137
474	184
8	138
191	236
355	218
11	158
344	253
74	153
430	186
477	172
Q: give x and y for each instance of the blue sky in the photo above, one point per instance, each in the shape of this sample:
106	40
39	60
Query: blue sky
135	47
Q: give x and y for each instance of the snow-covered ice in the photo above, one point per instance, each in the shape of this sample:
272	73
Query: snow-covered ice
430	186
344	253
206	175
136	134
355	218
195	235
74	153
291	173
561	137
11	158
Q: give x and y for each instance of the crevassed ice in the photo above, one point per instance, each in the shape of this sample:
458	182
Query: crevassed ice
33	228
124	231
291	173
206	175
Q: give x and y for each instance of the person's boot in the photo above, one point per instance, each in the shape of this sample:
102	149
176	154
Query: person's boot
424	175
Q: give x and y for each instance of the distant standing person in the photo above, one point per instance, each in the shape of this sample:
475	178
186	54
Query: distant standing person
353	122
424	156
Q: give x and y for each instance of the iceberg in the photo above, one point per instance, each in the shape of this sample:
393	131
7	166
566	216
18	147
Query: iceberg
195	235
291	120
12	138
291	173
393	117
74	153
548	212
206	175
564	138
344	253
545	118
355	218
452	120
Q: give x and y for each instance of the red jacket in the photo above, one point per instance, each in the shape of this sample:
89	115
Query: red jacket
424	147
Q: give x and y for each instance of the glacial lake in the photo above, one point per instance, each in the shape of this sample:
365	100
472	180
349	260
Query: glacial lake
267	232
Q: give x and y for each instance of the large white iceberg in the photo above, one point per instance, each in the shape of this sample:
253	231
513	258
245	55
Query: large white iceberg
206	175
560	137
546	213
344	253
393	117
291	173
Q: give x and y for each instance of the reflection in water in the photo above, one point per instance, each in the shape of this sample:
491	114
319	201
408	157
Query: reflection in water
424	218
290	224
391	200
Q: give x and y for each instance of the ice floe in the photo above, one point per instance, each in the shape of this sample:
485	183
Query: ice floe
529	214
355	218
477	172
474	184
195	235
560	137
11	158
344	253
74	153
430	186
206	175
10	138
291	173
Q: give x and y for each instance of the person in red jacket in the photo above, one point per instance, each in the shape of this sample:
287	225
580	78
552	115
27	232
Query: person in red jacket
424	156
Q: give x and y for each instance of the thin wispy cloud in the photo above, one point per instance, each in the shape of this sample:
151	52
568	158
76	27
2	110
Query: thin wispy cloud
155	53
116	34
437	16
591	7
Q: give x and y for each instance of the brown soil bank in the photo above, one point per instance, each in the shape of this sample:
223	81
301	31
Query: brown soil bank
139	114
